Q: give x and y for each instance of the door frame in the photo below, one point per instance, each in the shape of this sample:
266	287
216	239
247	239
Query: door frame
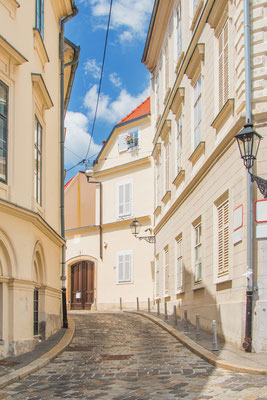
69	264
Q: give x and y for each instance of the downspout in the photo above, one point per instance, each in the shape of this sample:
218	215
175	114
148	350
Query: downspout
249	274
62	138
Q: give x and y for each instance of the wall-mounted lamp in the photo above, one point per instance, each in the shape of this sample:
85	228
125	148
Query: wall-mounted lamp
135	228
248	142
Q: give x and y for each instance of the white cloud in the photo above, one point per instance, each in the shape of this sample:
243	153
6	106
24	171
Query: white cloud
129	17
91	68
113	111
115	79
77	138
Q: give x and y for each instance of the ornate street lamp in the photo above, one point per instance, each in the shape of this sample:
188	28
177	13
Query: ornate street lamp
135	228
248	142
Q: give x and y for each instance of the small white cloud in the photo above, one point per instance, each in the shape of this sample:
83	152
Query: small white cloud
115	79
129	18
113	111
77	138
91	68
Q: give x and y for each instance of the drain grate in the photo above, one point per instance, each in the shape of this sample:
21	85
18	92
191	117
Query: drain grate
8	363
80	348
116	357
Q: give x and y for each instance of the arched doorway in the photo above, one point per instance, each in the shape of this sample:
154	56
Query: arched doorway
82	285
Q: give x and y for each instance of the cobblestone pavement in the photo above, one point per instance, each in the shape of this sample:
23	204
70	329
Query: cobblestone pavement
125	356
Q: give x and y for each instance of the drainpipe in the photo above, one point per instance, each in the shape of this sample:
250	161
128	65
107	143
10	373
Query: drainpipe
249	274
62	138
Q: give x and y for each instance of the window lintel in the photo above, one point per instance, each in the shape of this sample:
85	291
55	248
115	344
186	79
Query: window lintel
178	99
195	60
16	57
41	90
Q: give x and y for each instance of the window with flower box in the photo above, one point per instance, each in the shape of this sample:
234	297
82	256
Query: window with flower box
132	140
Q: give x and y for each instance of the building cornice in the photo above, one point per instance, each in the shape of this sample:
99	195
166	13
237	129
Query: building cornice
32	217
222	147
123	167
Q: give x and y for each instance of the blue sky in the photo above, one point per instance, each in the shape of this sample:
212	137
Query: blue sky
125	81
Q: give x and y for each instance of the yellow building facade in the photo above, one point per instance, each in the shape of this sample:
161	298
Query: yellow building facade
195	54
30	125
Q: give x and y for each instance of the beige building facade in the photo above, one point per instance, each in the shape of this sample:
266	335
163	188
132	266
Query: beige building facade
30	226
107	266
195	54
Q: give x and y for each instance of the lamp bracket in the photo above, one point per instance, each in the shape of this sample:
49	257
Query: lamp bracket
149	239
261	183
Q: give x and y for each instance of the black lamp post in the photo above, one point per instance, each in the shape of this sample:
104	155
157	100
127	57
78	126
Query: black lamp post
248	142
89	172
135	228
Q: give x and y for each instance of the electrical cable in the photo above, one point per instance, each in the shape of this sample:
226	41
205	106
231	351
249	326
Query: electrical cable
100	80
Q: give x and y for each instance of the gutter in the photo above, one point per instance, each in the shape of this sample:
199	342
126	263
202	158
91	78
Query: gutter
62	174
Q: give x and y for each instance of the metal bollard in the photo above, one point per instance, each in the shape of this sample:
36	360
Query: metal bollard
197	327
120	303
214	336
174	315
137	302
158	307
185	322
165	310
95	304
148	305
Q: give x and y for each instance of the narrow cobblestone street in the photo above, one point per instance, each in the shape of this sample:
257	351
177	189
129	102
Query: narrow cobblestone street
124	356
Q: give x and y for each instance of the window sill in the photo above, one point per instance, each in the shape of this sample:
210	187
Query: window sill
197	153
222	279
196	15
227	110
180	291
157	211
168	90
166	197
198	286
125	283
133	148
181	56
179	178
40	47
167	297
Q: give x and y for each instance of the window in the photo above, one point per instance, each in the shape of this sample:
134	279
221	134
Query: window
194	5
179	30
39	22
166	271
157	183
38	162
166	165
156	97
132	140
179	145
223	66
35	312
223	238
124	199
179	264
166	61
125	267
157	276
198	253
3	131
197	112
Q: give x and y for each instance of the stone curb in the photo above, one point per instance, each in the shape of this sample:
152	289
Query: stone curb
201	351
41	362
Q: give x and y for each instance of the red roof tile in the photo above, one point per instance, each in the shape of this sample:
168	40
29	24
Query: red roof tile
142	109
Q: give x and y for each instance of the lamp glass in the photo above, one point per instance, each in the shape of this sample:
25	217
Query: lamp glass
248	142
89	171
135	227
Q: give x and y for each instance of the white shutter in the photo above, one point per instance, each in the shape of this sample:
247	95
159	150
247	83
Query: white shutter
120	200
122	145
120	267
127	267
124	266
223	239
125	199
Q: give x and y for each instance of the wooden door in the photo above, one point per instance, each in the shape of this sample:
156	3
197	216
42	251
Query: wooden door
82	285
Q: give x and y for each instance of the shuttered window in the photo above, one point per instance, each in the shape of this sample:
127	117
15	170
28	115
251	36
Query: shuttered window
223	239
166	272
179	146
179	265
198	253
122	144
179	30
197	113
125	199
157	277
125	267
166	165
223	65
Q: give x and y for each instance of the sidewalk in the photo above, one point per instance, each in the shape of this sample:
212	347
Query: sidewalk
228	356
15	368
